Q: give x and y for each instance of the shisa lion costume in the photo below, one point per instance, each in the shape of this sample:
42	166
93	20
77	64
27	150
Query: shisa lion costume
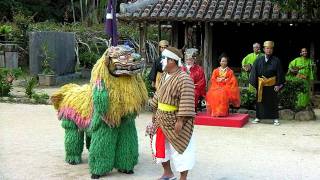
105	111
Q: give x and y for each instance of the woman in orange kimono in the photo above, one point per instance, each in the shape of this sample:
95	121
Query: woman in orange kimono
223	91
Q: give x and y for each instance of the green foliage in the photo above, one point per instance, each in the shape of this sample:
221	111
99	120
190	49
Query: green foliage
47	58
22	21
88	59
41	9
289	94
40	98
5	29
243	79
29	88
147	82
310	8
6	78
248	98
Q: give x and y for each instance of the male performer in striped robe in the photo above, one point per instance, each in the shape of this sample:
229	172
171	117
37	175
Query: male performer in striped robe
174	108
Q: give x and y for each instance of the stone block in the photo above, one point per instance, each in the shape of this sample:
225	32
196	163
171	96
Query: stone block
286	114
305	115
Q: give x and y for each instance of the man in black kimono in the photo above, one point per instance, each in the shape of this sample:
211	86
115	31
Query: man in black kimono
157	67
267	77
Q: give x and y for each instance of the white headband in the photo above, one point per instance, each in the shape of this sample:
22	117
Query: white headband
170	55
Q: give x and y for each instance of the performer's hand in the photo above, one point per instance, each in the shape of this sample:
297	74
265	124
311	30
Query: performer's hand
153	84
277	88
178	125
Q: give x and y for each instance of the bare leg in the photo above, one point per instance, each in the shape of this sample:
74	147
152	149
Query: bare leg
183	175
167	172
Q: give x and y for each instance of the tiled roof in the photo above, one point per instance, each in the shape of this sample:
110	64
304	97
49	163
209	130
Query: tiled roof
211	11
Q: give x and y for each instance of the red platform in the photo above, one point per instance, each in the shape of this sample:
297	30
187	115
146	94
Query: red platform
233	120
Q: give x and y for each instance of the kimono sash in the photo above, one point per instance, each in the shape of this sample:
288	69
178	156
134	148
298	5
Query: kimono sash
166	107
263	81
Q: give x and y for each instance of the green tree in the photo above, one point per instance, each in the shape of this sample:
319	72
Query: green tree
309	8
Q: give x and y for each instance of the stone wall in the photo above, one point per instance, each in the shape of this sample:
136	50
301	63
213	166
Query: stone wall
60	44
9	56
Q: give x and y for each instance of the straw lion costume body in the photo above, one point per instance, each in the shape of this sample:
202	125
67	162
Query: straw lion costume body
104	111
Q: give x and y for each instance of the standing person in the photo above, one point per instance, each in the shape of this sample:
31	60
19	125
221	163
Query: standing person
267	77
248	61
196	73
223	90
157	67
173	105
301	67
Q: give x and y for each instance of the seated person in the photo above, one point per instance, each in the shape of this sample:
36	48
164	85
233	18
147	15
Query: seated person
196	73
223	90
301	67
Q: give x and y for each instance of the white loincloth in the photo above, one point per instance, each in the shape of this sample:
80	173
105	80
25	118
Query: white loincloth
181	162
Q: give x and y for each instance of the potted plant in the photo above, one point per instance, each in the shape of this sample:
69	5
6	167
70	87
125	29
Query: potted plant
47	77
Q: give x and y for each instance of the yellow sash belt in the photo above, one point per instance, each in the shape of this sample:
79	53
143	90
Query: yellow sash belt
263	81
167	107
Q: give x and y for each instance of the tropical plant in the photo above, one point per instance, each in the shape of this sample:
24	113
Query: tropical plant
29	88
47	57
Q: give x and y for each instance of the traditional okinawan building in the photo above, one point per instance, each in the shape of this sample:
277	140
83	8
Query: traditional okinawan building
230	26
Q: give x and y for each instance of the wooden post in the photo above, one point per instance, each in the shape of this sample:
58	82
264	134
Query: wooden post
312	50
312	56
174	35
207	51
159	36
186	36
142	39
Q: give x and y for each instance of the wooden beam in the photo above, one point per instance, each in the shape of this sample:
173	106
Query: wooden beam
207	51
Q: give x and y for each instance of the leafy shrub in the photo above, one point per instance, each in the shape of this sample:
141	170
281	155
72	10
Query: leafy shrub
29	88
40	98
88	59
248	98
289	94
243	79
147	82
6	78
5	29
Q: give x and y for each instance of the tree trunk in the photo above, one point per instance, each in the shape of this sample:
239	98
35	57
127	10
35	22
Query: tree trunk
81	9
73	13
